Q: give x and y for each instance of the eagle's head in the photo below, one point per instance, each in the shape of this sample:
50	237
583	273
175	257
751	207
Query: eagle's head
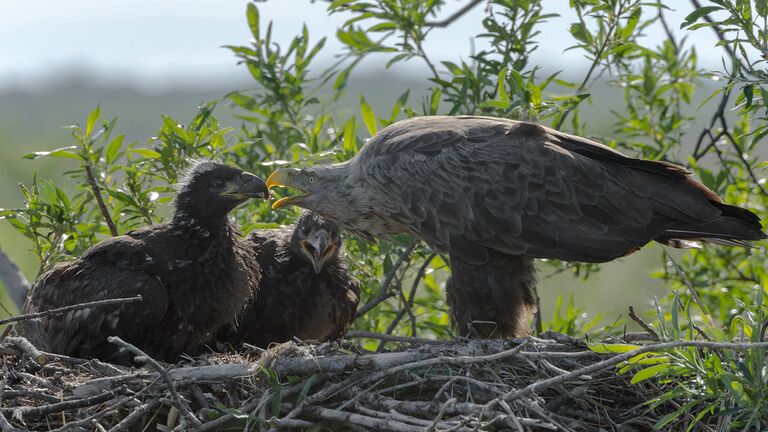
316	239
210	190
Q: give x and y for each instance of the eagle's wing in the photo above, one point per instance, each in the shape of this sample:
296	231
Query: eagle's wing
466	183
115	268
347	299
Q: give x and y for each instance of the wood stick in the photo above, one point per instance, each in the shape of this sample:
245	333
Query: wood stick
16	285
362	420
100	200
63	406
27	348
357	334
64	309
4	424
135	415
642	323
180	404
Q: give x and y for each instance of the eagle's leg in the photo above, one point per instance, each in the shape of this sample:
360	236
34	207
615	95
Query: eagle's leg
492	300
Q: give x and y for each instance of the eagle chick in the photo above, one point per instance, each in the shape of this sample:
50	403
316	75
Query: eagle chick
306	291
193	272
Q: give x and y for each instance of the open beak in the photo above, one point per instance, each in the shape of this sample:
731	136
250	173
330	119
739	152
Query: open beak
318	250
248	186
283	177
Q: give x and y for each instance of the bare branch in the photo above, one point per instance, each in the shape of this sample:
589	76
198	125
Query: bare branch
16	285
651	332
453	17
384	293
100	200
178	402
64	309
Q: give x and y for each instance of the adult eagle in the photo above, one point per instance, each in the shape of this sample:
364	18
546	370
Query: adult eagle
195	275
305	291
495	193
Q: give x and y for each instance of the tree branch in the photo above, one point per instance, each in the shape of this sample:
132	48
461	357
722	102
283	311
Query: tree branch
16	285
71	308
384	290
178	402
456	15
102	207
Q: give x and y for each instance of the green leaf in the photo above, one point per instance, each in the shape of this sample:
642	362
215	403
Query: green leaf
698	13
631	23
341	80
581	33
92	118
368	118
252	13
350	136
399	103
147	153
501	87
114	148
435	101
748	91
603	348
649	372
64	152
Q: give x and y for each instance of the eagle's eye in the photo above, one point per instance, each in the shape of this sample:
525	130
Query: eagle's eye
218	184
312	179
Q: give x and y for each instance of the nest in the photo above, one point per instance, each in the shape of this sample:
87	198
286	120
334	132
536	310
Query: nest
551	383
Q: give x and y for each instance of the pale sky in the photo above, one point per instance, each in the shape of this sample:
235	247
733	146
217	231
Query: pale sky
153	43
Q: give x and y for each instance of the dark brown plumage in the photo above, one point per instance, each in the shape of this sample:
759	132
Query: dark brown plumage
193	273
495	193
305	291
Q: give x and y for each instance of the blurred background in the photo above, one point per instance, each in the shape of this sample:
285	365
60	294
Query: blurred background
144	58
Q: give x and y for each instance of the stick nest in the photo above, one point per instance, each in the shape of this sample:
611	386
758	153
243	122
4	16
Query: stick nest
520	385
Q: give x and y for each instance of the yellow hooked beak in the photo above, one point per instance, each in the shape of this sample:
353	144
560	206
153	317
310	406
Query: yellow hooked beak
283	177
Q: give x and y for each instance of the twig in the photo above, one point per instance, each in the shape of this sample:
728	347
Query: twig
102	207
16	285
63	406
642	323
443	408
179	403
408	301
71	308
720	34
539	327
693	292
135	415
392	338
598	58
743	160
384	293
4	424
453	17
27	348
362	420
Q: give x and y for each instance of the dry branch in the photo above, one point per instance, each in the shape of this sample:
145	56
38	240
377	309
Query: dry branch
16	285
180	403
64	309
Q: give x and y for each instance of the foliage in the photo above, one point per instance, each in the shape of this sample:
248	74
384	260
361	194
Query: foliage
291	118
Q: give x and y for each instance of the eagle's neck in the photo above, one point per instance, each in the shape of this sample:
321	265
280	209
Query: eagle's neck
207	234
